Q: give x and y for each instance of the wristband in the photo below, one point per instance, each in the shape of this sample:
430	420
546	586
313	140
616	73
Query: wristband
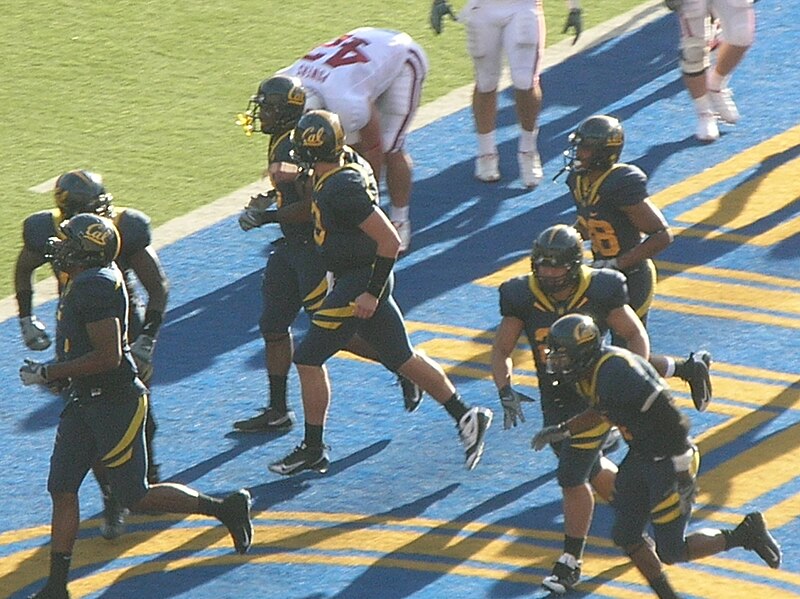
25	302
152	322
381	270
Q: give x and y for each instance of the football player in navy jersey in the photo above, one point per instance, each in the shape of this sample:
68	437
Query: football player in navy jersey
106	403
656	482
294	276
626	230
359	246
559	283
81	191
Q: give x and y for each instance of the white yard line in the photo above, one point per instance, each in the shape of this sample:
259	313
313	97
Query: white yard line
209	214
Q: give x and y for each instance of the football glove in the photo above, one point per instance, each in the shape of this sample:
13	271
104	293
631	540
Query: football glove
257	212
686	478
511	400
34	334
33	373
550	434
439	10
142	353
574	21
610	263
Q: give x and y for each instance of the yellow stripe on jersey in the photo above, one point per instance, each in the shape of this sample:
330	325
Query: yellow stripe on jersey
123	450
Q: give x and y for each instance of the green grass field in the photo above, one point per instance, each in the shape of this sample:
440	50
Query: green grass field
145	92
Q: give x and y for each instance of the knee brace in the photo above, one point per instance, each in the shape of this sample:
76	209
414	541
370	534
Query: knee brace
695	57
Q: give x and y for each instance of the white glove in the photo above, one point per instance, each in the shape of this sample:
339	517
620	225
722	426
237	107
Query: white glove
33	333
610	263
142	352
686	478
33	373
550	434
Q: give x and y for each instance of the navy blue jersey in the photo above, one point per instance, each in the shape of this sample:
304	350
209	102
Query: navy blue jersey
343	199
600	208
628	392
93	295
279	151
599	291
134	231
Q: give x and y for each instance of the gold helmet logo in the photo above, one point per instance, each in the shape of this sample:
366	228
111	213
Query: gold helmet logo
296	97
313	137
584	333
99	234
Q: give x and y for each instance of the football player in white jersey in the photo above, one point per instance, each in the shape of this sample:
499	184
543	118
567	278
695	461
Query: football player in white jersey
708	86
372	78
515	28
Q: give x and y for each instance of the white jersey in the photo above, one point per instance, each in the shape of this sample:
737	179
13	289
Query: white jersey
351	72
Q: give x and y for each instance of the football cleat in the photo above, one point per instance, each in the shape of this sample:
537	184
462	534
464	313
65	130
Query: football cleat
699	380
412	393
487	168
472	429
566	574
530	168
302	458
235	515
269	420
753	533
50	593
724	106
707	129
404	232
612	441
113	518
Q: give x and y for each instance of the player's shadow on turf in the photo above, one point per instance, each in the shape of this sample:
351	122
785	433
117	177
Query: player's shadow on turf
127	584
442	548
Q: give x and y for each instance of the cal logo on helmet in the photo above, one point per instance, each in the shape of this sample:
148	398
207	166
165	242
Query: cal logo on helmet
99	234
313	137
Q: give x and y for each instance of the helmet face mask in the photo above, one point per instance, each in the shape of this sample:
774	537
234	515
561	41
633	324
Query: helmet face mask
599	140
574	344
277	105
89	241
318	137
81	191
557	247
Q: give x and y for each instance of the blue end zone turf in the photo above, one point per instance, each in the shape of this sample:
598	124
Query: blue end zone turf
397	515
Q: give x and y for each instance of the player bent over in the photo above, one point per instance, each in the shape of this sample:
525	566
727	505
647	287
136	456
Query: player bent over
656	482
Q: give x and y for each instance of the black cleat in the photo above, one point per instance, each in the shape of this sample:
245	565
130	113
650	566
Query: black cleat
697	375
49	593
753	533
113	518
235	515
412	393
270	420
302	458
566	574
472	429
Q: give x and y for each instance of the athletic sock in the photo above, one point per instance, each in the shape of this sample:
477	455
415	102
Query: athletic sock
455	407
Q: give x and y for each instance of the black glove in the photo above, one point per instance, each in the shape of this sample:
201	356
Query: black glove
511	400
439	9
574	21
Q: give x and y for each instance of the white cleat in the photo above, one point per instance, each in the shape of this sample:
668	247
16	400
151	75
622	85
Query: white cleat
530	168
487	168
707	129
724	106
